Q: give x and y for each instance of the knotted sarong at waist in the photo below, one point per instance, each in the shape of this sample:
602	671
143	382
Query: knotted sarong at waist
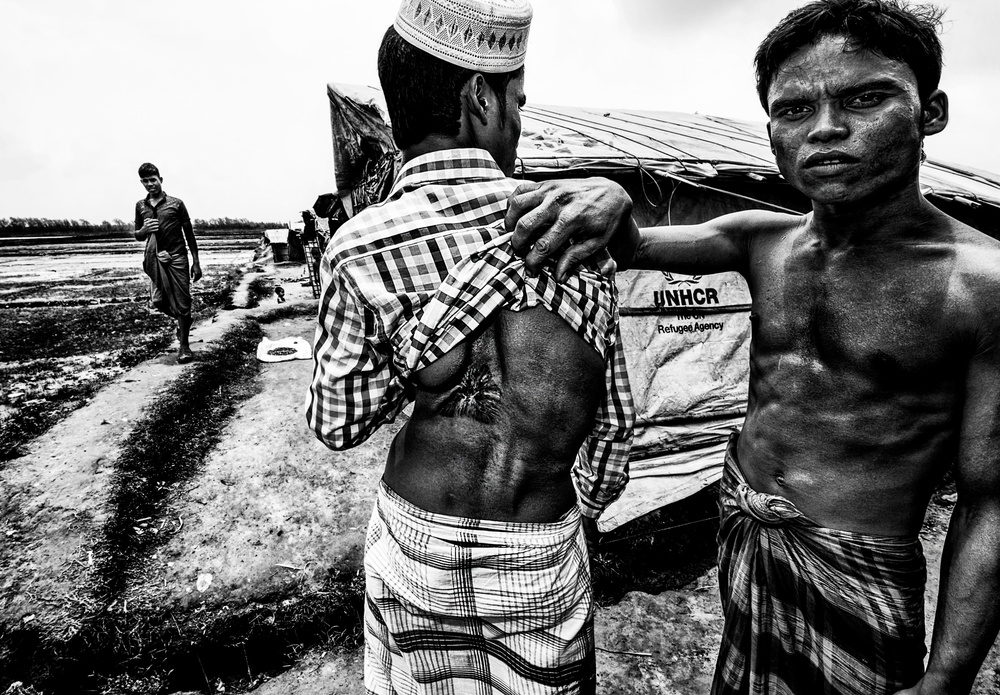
812	610
169	279
456	605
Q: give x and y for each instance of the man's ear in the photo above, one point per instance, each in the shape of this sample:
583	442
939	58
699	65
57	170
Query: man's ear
769	140
935	113
477	98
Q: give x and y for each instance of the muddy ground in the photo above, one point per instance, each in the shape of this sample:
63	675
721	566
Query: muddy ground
183	531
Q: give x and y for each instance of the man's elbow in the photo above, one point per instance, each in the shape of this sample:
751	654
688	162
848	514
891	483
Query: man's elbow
339	440
337	444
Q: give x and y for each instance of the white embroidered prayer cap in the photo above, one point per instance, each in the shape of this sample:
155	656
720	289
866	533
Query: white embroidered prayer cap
481	35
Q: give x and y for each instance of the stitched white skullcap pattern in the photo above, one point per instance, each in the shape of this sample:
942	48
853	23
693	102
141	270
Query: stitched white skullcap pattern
482	35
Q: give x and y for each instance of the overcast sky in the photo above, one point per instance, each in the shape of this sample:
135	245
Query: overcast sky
229	98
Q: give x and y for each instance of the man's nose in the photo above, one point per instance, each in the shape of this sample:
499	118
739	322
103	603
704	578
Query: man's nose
828	125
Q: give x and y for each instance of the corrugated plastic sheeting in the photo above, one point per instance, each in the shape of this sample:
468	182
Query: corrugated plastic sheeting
949	180
560	138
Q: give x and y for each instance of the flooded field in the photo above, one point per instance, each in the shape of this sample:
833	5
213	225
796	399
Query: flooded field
75	315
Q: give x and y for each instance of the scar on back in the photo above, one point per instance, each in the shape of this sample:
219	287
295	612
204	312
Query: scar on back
477	396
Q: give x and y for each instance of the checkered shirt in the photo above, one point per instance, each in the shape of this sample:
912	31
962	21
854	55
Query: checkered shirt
406	280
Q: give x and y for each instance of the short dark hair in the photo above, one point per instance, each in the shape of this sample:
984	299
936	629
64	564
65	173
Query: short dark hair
422	91
894	29
148	169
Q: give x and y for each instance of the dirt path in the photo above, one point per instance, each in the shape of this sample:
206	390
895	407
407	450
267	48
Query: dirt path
260	546
249	575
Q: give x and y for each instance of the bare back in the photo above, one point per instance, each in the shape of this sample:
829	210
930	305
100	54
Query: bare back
859	366
498	421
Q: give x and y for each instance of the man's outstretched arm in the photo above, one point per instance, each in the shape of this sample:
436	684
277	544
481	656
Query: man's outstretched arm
968	613
571	220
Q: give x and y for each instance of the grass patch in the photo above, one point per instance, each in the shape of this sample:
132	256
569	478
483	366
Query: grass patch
156	652
53	332
216	290
258	289
287	311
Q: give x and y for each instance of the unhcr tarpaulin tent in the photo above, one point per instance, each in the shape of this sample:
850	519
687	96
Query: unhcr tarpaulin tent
686	337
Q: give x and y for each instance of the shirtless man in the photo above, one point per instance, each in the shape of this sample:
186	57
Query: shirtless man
874	367
477	574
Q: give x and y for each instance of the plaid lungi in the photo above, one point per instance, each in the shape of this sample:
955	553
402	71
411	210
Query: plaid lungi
813	610
456	606
169	279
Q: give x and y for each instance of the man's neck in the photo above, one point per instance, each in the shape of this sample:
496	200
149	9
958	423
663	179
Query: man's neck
894	217
157	199
432	143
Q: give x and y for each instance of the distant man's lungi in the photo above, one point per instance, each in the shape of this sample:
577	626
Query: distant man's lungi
812	610
169	279
457	605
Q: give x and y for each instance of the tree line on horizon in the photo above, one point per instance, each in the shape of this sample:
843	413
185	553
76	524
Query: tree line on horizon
21	226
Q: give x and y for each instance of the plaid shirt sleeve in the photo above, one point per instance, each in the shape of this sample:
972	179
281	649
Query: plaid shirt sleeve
601	471
355	387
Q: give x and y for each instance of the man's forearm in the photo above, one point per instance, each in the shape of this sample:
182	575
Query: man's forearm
192	244
967	612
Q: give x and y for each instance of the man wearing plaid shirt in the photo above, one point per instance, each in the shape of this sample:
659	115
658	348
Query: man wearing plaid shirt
477	571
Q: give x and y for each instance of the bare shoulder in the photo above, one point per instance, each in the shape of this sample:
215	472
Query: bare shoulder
976	276
758	225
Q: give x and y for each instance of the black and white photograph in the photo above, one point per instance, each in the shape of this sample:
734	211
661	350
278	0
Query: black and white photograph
500	347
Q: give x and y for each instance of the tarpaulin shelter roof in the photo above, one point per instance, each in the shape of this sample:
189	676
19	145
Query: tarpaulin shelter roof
695	148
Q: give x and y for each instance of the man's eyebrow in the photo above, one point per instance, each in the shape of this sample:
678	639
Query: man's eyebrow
786	102
883	85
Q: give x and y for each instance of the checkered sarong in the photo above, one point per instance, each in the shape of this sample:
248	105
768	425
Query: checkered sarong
470	606
812	610
169	279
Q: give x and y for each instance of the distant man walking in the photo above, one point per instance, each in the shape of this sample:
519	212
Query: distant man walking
162	221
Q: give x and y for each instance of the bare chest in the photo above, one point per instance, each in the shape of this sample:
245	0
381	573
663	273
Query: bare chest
888	316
